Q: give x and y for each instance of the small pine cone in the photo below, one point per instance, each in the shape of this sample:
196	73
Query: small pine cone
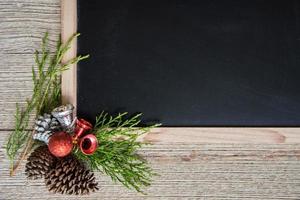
39	163
70	176
45	126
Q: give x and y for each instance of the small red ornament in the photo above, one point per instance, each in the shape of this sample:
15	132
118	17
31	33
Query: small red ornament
82	126
60	144
88	144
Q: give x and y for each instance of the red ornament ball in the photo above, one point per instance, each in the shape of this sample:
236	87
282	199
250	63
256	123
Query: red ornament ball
60	144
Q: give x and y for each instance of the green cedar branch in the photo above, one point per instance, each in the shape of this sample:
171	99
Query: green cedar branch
46	96
117	155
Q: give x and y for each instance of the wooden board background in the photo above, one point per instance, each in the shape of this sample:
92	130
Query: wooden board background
223	165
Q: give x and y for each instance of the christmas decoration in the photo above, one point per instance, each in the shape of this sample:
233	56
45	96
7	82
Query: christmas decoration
70	176
116	156
88	144
39	163
82	126
64	115
46	95
72	152
60	144
45	126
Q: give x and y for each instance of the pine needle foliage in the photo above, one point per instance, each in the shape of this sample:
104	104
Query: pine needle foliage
46	93
116	155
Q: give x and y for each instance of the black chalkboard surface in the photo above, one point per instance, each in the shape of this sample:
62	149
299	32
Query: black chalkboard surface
191	62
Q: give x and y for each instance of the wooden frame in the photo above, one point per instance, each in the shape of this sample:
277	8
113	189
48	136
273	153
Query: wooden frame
68	28
171	135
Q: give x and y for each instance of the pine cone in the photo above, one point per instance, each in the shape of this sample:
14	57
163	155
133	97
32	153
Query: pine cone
70	176
39	163
44	127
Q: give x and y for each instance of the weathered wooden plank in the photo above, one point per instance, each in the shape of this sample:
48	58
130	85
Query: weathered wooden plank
15	83
202	171
24	22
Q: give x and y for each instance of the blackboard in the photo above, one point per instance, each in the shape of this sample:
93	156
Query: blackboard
191	62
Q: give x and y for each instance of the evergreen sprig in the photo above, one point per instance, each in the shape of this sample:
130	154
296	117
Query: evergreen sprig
116	155
46	96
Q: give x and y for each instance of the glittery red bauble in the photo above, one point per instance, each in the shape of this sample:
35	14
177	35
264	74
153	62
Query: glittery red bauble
60	144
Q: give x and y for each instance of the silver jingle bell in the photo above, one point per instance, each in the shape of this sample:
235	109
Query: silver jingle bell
64	114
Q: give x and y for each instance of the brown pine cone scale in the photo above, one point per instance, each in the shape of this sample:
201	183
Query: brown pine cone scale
39	163
70	176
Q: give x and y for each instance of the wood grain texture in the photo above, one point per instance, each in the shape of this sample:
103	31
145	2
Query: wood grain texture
223	135
193	171
189	168
22	25
68	28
